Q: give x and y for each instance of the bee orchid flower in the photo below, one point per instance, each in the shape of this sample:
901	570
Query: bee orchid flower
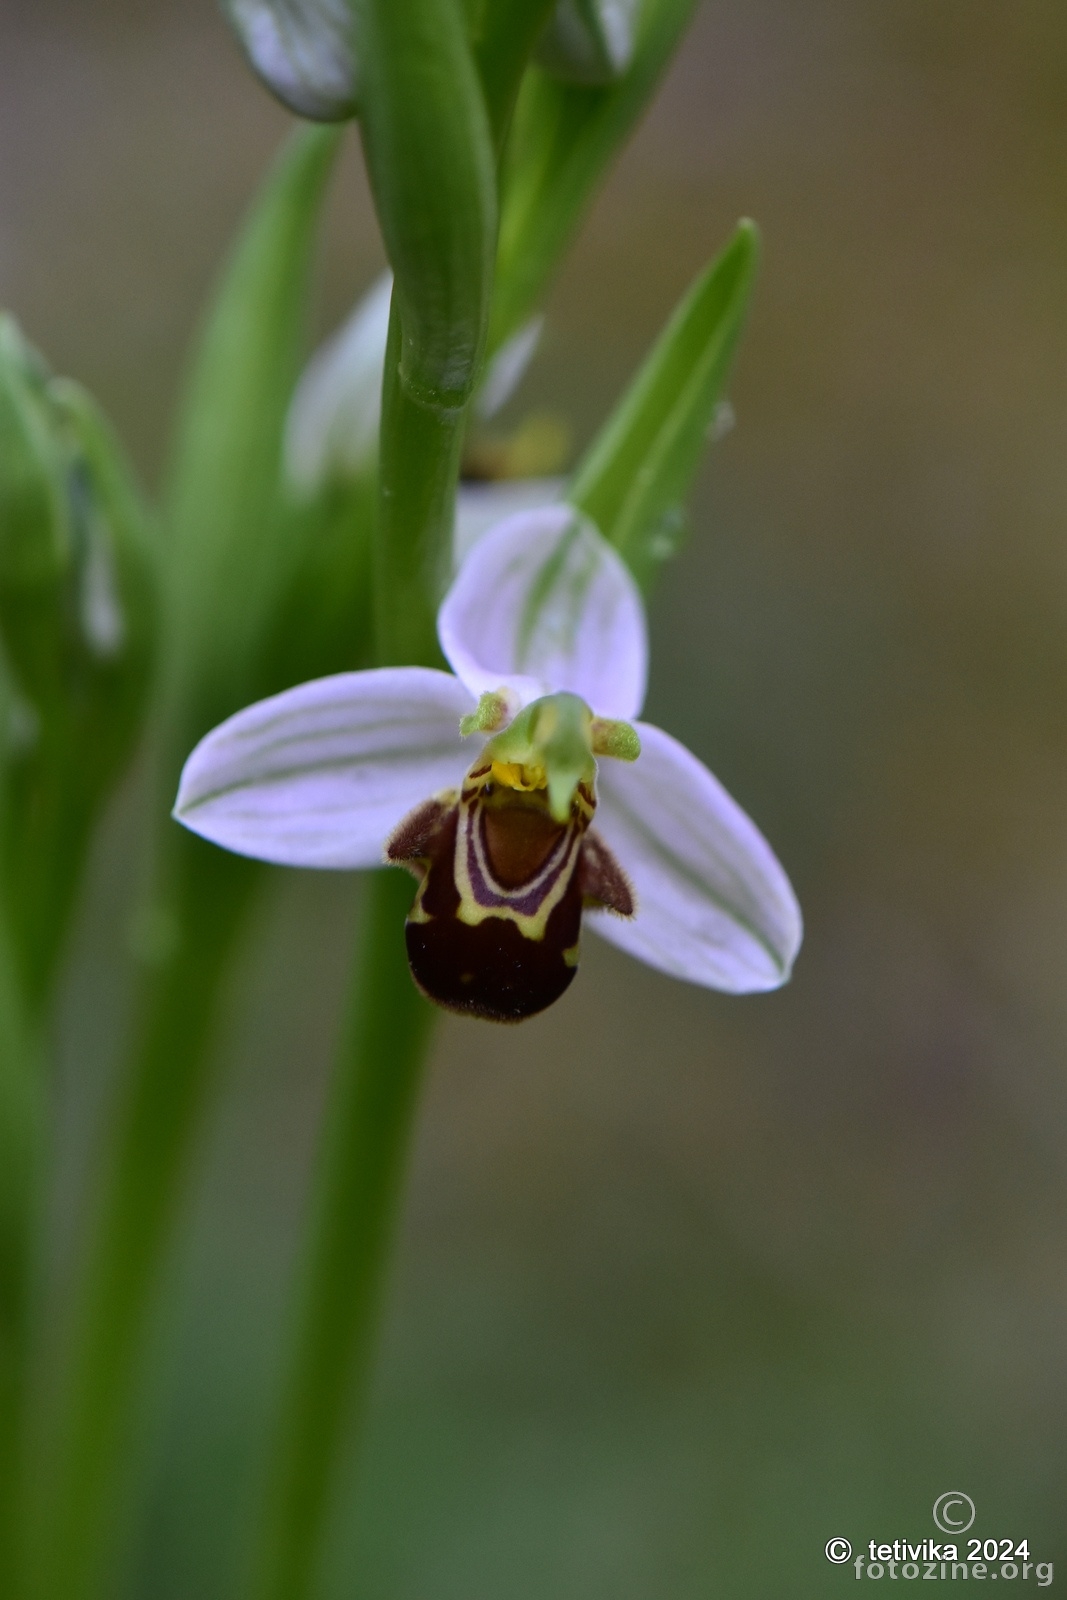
519	789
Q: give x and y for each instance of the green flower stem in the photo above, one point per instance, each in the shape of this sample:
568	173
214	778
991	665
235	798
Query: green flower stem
420	451
371	1112
430	159
161	1106
367	1133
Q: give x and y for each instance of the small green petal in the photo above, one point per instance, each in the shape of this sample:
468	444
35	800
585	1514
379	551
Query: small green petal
617	739
553	735
492	712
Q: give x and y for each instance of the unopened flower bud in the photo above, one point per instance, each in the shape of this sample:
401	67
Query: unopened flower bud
77	620
76	586
589	41
303	51
332	429
507	368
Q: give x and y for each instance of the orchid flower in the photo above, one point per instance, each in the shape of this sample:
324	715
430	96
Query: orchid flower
518	789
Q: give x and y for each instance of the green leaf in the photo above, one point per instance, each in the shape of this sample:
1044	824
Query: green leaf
634	477
563	137
323	622
504	37
230	553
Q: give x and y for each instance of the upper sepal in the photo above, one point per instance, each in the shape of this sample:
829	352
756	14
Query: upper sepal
588	41
542	603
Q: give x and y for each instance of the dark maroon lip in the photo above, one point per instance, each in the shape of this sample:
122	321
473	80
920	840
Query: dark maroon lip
527	899
519	952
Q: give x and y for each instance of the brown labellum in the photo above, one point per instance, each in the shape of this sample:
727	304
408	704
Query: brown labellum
494	930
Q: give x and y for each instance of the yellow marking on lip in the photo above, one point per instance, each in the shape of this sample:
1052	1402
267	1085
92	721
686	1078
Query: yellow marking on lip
517	775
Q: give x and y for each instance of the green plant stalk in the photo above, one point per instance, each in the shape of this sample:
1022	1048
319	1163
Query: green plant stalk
51	818
371	1112
368	1126
419	464
144	1168
430	159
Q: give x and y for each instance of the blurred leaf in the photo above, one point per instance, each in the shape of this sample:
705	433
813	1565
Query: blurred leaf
504	35
230	545
324	616
230	553
562	138
637	472
78	621
303	51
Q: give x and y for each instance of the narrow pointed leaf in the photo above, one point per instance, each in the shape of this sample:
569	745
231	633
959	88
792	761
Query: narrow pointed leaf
563	138
225	553
637	472
228	544
504	39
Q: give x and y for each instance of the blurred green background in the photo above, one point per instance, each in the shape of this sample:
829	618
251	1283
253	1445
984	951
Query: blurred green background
687	1284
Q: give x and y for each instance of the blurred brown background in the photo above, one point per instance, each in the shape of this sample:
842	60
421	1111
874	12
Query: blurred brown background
688	1283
